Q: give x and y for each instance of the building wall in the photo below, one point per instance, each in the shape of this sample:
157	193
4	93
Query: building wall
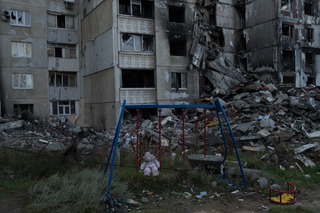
166	63
100	106
97	64
36	65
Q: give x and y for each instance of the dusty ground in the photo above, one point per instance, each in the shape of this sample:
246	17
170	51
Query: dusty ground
251	202
238	203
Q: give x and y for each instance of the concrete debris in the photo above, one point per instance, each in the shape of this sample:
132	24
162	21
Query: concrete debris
303	148
305	160
287	129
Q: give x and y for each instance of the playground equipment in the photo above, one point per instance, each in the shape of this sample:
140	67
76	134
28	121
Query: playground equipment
283	197
216	106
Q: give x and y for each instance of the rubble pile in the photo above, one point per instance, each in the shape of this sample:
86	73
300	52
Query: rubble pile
281	121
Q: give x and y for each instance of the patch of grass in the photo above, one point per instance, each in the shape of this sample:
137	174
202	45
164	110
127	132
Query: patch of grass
14	185
75	191
310	179
279	176
289	209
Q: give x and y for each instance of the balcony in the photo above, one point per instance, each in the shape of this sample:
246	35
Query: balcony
62	36
136	60
138	95
64	93
130	24
63	64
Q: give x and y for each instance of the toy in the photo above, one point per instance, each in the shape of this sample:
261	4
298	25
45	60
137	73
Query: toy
150	165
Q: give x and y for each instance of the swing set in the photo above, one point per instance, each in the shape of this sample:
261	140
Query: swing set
216	106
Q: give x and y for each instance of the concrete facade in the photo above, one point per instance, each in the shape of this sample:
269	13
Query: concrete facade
80	59
282	40
23	55
132	50
40	58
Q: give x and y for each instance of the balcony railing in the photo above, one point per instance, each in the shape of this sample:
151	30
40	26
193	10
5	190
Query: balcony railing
138	95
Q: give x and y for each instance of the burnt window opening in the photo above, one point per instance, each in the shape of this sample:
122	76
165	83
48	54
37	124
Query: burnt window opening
141	8
61	21
309	9
309	62
311	80
289	79
288	61
310	58
287	30
176	14
310	33
178	47
58	52
286	5
19	108
138	79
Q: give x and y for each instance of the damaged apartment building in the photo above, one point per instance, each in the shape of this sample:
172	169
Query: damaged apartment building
39	58
80	59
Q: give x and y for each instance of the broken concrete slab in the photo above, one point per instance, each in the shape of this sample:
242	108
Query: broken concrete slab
303	148
305	160
11	125
246	127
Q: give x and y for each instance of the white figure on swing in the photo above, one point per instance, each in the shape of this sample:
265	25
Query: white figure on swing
150	165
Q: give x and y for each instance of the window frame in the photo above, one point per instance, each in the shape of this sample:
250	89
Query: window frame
63	77
63	107
19	83
67	51
179	80
310	34
25	47
55	18
26	17
138	43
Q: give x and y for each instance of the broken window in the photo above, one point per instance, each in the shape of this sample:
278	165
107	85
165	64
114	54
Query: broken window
61	21
137	43
311	80
289	79
22	81
288	61
138	79
178	80
66	79
176	14
20	18
63	107
62	51
309	9
286	5
141	8
310	60
19	108
178	46
21	50
310	32
287	30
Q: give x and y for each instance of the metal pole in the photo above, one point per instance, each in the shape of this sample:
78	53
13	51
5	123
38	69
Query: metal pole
159	145
183	139
204	132
137	141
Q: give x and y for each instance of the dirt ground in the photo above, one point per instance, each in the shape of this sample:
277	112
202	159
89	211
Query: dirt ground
249	202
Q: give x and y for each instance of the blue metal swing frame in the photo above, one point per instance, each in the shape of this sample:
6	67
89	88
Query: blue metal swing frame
217	106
